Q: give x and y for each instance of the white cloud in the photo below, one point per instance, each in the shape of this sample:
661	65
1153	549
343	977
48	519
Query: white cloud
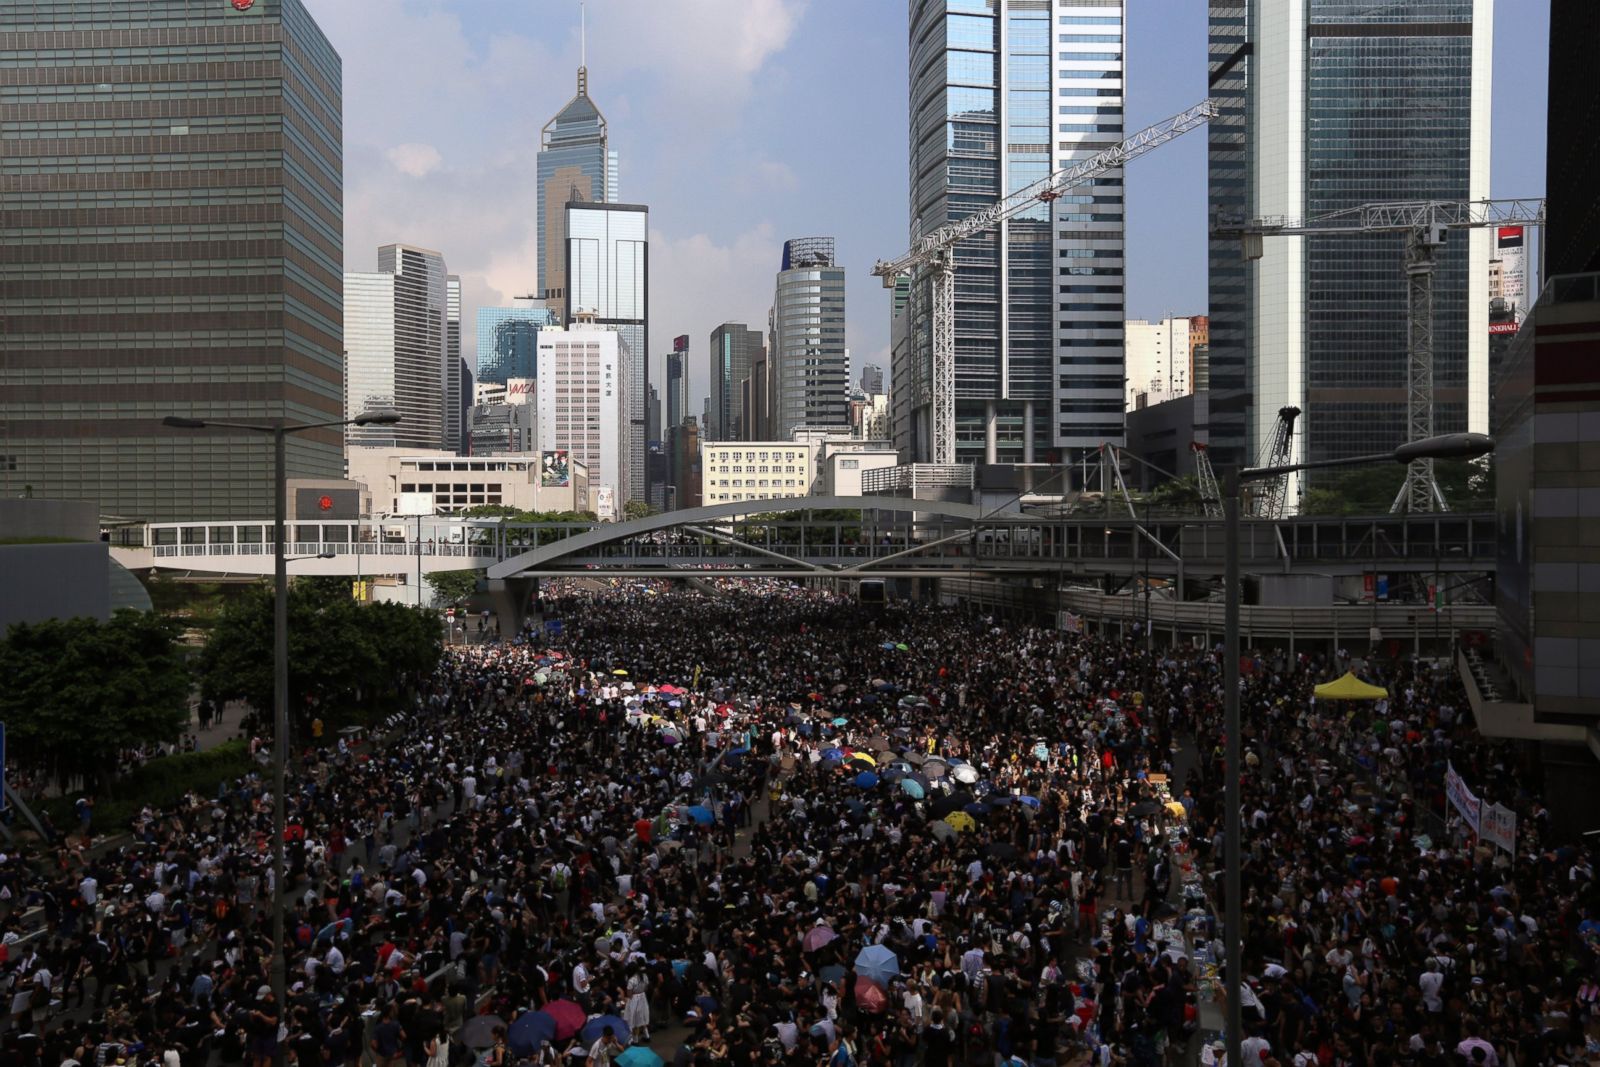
417	160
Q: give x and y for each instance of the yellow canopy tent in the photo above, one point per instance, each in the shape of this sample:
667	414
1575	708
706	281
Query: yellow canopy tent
1349	687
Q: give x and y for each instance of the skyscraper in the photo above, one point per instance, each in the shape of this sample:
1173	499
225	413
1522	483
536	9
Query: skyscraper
583	402
575	163
1001	94
732	346
456	402
397	349
807	357
1325	105
607	268
677	383
171	242
872	379
508	342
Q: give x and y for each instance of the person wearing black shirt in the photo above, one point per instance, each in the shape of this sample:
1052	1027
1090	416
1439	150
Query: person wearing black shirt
938	1044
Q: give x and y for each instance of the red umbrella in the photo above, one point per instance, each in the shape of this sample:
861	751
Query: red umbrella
568	1015
869	997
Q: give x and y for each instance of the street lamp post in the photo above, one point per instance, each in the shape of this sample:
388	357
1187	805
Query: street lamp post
280	429
1446	446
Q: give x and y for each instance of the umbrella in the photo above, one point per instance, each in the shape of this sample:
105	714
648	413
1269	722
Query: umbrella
877	963
912	788
1146	807
638	1056
1177	809
836	690
620	673
706	1003
868	996
945	832
888	646
879	743
833	753
333	929
532	1029
1032	802
903	647
479	1030
935	768
947	804
855	807
734	755
597	1026
893	773
674	703
862	757
961	821
568	1016
831	973
816	937
966	774
866	780
701	814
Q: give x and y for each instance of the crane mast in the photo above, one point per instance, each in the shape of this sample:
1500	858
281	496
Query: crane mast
1426	224
932	257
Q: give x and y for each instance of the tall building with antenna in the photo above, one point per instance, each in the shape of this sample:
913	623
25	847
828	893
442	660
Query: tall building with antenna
576	162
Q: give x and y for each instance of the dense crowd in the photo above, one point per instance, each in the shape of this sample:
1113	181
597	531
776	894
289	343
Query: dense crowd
770	826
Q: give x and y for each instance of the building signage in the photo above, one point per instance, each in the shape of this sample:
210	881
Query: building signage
1502	327
1511	249
555	469
520	390
1500	827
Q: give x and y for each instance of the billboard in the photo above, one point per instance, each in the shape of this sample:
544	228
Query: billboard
520	390
415	504
327	503
605	503
1511	249
555	469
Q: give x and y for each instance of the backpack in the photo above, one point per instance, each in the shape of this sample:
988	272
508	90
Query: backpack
558	878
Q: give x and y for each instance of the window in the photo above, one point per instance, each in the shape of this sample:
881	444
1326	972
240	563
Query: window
849	464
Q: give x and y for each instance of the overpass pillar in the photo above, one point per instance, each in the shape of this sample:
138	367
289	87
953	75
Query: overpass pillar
510	597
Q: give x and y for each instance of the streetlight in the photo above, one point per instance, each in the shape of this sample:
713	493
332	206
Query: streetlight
280	429
1445	446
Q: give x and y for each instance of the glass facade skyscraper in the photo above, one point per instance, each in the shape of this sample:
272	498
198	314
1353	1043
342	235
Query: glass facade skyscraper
171	242
607	267
1329	104
807	361
1002	92
733	345
397	345
508	342
575	163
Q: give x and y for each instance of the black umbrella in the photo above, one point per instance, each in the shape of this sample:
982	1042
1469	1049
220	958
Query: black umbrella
1146	807
946	804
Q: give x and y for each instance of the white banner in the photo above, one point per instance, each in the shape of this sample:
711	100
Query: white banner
1500	827
1511	249
1461	797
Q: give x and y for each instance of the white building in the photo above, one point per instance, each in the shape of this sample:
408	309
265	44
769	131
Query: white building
754	470
1157	358
583	404
455	483
398	355
840	471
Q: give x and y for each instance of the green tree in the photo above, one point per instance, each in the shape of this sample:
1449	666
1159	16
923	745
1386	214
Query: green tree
637	509
1467	485
340	652
1177	494
79	691
452	587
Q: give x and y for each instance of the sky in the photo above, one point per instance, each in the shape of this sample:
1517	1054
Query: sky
744	122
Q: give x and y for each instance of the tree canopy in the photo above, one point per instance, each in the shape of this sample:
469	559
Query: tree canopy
80	691
1467	485
339	651
510	514
452	587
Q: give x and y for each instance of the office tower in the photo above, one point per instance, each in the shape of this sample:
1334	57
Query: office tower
456	401
141	276
705	413
686	468
677	383
1572	152
652	416
607	264
1157	356
1002	94
732	346
397	349
806	358
1199	353
583	403
508	342
575	163
1326	105
872	380
753	400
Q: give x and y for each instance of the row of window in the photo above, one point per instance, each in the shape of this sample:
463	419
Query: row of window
764	483
781	455
757	469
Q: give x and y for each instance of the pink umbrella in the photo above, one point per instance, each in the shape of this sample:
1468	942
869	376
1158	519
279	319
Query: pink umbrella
869	996
568	1015
816	937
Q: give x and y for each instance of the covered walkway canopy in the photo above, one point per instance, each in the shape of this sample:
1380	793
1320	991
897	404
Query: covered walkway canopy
1349	687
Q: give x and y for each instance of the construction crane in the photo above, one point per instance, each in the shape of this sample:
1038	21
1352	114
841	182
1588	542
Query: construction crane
1426	224
933	256
1267	502
1206	475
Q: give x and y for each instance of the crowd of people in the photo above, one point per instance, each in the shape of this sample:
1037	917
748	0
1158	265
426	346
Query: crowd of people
772	826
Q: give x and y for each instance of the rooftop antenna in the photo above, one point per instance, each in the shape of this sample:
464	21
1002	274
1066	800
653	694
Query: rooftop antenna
583	36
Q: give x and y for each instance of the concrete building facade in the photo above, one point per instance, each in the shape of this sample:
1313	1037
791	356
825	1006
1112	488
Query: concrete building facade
397	349
583	404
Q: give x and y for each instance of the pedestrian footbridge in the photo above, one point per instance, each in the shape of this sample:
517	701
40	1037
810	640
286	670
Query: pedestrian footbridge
840	537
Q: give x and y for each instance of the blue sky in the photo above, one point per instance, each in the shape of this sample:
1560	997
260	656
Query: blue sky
741	123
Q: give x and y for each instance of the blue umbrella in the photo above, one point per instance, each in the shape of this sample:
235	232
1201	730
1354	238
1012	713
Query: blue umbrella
840	721
855	806
805	729
680	967
833	753
701	814
638	1056
532	1029
831	973
887	646
595	1027
734	755
866	779
1032	802
878	964
333	929
912	788
893	773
